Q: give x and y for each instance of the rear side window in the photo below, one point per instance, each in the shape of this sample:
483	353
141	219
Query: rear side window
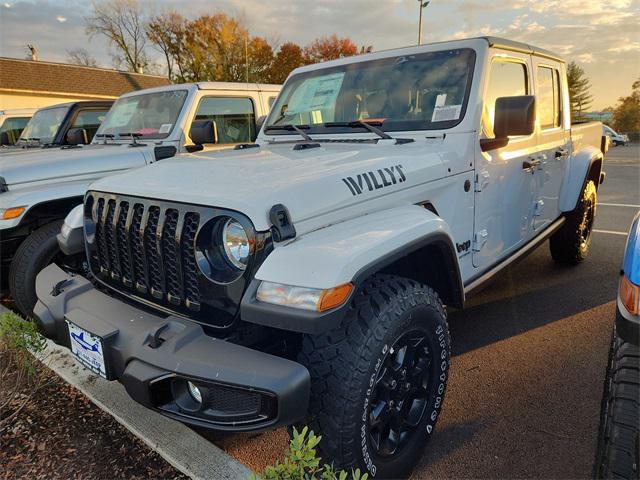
90	120
235	118
549	110
13	128
506	79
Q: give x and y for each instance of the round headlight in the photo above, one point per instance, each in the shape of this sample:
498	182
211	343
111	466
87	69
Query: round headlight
236	244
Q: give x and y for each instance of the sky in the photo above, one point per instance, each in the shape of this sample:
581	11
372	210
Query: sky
602	36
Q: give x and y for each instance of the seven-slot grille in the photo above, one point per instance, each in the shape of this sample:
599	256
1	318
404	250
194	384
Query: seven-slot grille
146	247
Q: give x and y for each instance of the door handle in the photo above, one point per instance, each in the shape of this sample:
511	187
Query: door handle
531	164
563	152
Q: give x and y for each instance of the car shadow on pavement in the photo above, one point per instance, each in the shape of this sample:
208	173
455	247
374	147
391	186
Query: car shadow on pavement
530	295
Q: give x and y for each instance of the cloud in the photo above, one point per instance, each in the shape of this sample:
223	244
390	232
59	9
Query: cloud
61	19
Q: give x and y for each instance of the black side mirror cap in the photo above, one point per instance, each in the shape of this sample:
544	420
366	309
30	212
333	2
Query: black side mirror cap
514	116
259	123
4	139
203	131
77	136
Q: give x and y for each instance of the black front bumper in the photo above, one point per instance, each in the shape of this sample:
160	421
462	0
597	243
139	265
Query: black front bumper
154	357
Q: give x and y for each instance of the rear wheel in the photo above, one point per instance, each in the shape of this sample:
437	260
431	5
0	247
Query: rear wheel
378	383
37	251
571	243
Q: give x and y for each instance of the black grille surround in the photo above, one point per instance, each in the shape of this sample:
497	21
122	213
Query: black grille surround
146	249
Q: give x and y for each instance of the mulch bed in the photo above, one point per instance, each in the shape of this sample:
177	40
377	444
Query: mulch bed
61	434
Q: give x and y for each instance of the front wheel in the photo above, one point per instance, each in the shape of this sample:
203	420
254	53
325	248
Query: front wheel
571	243
37	251
378	383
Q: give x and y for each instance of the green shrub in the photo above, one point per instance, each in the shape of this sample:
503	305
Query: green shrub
301	462
19	337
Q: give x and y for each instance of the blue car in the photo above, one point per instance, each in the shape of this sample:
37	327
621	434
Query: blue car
618	454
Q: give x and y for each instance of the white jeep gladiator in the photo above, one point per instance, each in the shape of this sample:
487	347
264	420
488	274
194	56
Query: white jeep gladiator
305	279
38	188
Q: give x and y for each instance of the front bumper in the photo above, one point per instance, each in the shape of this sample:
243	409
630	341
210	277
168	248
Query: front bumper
627	325
154	357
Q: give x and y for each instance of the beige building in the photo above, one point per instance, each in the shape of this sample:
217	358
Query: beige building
35	84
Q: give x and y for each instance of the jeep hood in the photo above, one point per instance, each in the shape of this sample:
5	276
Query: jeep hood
309	182
44	164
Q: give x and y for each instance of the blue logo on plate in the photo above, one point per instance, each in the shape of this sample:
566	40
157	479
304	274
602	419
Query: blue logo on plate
83	343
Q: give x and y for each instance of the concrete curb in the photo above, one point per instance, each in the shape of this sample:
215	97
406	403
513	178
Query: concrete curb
183	448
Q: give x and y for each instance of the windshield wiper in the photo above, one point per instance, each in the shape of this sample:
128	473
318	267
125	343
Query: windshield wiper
370	127
106	136
291	128
134	138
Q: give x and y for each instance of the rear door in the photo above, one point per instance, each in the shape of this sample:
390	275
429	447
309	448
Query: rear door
553	133
89	119
234	117
505	190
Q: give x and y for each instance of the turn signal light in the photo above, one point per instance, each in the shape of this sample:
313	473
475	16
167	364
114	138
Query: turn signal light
334	297
9	213
629	295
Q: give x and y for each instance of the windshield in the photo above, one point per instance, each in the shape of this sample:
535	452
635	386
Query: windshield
44	125
151	115
412	92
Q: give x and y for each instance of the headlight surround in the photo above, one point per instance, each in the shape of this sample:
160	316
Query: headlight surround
224	247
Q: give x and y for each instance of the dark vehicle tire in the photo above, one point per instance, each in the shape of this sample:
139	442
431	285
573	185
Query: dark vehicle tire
618	454
378	382
571	243
37	251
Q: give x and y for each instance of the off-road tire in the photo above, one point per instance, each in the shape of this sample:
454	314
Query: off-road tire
569	245
345	362
36	252
618	454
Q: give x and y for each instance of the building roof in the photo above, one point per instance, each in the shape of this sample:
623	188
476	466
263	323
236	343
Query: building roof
60	78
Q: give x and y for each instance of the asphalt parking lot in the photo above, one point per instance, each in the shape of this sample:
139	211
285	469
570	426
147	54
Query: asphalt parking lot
529	356
529	359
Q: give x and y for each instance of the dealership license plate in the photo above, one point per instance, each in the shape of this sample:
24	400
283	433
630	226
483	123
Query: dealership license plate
87	348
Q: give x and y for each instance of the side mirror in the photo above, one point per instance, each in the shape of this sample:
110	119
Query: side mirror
203	131
77	136
4	139
513	116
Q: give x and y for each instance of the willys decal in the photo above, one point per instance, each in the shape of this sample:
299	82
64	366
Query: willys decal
374	180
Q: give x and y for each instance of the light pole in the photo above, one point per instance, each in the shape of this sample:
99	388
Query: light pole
421	6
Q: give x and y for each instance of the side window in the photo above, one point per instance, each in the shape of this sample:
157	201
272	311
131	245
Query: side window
235	118
549	111
271	100
506	79
13	128
90	120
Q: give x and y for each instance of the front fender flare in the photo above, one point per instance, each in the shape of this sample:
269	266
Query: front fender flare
349	251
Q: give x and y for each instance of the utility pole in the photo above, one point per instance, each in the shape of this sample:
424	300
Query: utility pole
246	55
421	6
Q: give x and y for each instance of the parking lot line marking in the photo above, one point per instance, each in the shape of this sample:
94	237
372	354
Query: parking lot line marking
611	232
619	205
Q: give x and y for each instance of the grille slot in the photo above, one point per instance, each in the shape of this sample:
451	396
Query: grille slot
146	248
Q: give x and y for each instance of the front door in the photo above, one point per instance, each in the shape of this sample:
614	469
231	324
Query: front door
506	189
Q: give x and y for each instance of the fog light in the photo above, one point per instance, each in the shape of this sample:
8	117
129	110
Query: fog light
195	392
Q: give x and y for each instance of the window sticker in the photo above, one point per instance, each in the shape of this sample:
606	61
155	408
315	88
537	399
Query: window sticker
165	128
441	100
446	113
122	115
317	93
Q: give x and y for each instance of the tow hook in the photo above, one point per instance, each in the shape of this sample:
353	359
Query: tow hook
59	287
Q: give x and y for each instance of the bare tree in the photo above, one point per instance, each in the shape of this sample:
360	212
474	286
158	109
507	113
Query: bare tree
121	21
80	56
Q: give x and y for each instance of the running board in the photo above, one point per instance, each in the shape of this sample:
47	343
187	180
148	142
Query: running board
524	250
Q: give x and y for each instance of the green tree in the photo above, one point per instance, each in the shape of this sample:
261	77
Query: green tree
626	116
579	90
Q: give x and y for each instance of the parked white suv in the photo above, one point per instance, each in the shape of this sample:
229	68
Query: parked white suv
38	188
307	278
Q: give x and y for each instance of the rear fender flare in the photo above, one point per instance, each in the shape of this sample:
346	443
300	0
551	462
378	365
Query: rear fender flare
582	165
